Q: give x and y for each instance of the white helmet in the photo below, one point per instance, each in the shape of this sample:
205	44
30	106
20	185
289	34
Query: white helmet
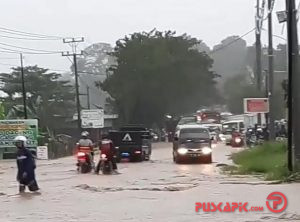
21	139
85	134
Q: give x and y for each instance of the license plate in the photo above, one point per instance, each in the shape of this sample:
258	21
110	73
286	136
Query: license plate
195	155
125	154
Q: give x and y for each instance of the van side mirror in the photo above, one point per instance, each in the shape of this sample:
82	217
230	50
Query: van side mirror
176	139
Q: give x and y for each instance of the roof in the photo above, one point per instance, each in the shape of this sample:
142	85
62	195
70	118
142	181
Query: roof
233	121
191	126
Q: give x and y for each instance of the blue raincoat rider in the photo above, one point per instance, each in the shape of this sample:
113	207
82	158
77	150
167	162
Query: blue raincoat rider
26	166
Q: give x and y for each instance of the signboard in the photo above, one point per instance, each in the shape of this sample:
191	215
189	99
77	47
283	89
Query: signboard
92	118
9	129
256	105
42	152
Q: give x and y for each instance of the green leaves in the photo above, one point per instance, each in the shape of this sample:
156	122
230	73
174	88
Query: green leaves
47	97
158	73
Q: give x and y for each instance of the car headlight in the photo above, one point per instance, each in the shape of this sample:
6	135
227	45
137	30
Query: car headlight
182	151
238	140
206	150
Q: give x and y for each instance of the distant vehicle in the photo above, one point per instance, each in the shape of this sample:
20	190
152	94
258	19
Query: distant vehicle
192	142
206	116
214	129
225	116
187	120
227	129
132	142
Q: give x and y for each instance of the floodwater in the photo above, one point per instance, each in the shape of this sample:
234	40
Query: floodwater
157	190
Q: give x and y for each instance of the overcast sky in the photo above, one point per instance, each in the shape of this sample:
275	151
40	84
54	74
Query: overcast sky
109	20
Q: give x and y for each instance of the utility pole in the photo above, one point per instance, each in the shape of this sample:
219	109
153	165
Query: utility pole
23	88
271	73
88	97
73	43
258	50
293	84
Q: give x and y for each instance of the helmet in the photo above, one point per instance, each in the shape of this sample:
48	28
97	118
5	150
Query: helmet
85	134
20	139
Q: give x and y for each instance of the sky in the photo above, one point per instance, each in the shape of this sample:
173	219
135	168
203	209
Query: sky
110	20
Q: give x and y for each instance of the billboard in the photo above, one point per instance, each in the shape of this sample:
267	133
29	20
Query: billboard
92	118
256	105
9	129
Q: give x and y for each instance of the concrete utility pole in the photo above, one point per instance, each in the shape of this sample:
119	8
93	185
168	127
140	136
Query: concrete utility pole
258	21
293	92
23	88
271	72
73	43
88	97
258	46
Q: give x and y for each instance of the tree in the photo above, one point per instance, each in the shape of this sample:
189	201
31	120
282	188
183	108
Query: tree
229	57
237	88
92	67
159	73
241	86
48	98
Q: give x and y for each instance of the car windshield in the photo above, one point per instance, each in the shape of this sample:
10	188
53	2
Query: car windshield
194	134
230	126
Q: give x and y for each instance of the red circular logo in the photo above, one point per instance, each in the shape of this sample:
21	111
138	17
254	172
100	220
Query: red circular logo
277	198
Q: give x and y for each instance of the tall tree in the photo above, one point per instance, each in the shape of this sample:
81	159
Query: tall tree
49	99
92	67
159	73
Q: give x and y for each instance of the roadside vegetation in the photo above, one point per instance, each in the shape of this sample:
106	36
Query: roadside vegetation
269	160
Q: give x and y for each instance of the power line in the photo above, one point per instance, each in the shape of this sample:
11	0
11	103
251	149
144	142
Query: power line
17	32
7	50
23	38
19	47
235	40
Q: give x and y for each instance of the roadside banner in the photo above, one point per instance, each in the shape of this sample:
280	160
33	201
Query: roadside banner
256	105
92	118
9	129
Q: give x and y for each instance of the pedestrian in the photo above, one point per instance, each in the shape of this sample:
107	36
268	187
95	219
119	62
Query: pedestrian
26	166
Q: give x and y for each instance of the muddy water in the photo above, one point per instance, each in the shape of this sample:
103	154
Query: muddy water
158	190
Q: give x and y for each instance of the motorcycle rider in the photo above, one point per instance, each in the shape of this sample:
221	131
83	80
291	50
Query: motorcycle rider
107	147
26	166
86	142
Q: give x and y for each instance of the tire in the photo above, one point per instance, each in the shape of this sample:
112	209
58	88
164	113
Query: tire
147	157
178	160
84	168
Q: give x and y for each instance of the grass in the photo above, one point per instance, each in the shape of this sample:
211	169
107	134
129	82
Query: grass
269	159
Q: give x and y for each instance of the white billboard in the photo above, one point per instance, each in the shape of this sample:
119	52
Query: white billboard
92	118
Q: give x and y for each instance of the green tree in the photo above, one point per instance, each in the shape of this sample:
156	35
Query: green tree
159	73
48	98
241	86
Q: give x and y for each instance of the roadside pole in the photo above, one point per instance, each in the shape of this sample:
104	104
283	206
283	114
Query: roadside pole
74	54
271	73
293	84
258	52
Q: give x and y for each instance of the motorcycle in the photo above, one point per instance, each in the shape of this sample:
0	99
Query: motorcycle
104	165
237	141
84	161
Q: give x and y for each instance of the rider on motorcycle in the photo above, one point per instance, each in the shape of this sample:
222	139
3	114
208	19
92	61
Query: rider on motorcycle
86	142
107	148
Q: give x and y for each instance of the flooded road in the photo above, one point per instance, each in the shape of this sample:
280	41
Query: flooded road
158	190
